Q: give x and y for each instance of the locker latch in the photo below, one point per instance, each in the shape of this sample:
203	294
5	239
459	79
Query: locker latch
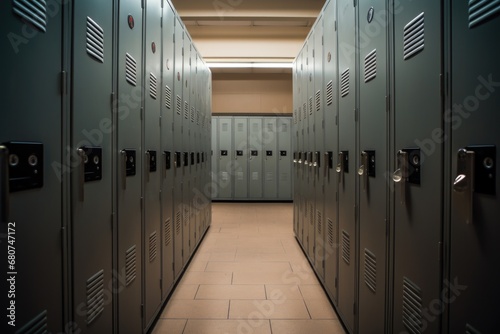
25	165
178	159
342	165
167	159
367	168
192	159
151	159
223	153
283	153
269	153
186	159
408	171
255	153
239	153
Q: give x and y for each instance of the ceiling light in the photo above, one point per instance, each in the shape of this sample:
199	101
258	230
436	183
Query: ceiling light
250	65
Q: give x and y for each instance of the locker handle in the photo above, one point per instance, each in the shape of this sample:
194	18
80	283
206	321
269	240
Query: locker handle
464	182
123	154
164	170
340	167
148	165
4	184
363	170
81	177
325	164
399	176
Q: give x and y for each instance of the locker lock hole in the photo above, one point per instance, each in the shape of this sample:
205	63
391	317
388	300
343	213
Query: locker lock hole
25	165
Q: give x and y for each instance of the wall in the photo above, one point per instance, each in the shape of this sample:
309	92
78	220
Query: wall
252	93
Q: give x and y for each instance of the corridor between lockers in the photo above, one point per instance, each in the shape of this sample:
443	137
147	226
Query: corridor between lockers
249	275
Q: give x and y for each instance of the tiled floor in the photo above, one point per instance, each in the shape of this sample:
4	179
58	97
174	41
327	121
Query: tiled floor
249	276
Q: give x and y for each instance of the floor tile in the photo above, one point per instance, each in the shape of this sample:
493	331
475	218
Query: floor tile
313	292
195	326
306	327
169	326
185	291
248	267
226	292
197	277
288	291
320	309
199	309
268	309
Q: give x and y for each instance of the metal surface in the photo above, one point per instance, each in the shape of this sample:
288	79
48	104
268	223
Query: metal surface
255	164
4	184
241	155
270	159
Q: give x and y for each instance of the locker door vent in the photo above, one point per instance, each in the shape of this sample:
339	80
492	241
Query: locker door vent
471	330
153	246
329	93
186	110
311	106
185	217
295	117
318	101
331	233
131	70
284	128
198	117
153	82
241	127
319	222
346	247
412	307
413	37
168	232
37	325
481	11
33	12
311	214
95	40
270	127
285	177
225	127
269	176
95	296
304	111
344	83
371	65
168	97
371	270
178	223
178	105
130	265
193	111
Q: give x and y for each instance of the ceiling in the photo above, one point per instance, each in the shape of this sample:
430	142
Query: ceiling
257	33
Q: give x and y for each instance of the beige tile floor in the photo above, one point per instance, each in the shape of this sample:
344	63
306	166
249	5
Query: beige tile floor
249	276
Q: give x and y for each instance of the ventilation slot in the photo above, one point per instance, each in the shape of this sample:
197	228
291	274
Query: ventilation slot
95	296
37	325
197	117
284	128
153	82
331	233
131	70
344	83
346	247
482	10
304	110
178	223
370	270
471	330
412	307
178	105
33	12
153	246
311	106
168	232
168	97
319	222
241	127
95	40
270	127
193	111
186	110
185	217
413	37
329	93
318	101
371	65
130	265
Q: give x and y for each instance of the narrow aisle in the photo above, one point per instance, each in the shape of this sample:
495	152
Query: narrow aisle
249	276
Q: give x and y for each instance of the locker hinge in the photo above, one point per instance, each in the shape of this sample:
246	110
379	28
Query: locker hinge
323	124
183	52
161	4
322	40
142	310
112	100
142	203
142	4
441	79
336	119
335	25
356	117
112	219
173	266
387	228
142	114
172	127
354	3
161	283
440	251
336	282
388	103
355	213
174	37
64	77
314	53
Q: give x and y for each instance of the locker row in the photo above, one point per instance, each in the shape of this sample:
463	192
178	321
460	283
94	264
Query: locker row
252	158
395	166
104	163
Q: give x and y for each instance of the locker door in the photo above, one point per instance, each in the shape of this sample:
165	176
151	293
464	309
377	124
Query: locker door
91	191
152	168
130	163
255	158
331	148
295	139
318	132
475	253
178	144
240	158
285	157
372	163
303	159
214	157
167	150
186	149
346	157
269	141
31	207
194	143
418	207
225	133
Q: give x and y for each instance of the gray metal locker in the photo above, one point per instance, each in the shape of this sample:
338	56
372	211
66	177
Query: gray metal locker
373	162
225	133
285	158
255	158
318	134
471	291
92	177
166	166
178	142
152	171
270	158
303	226
194	144
346	163
130	164
241	152
418	208
295	140
33	170
330	89
214	157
